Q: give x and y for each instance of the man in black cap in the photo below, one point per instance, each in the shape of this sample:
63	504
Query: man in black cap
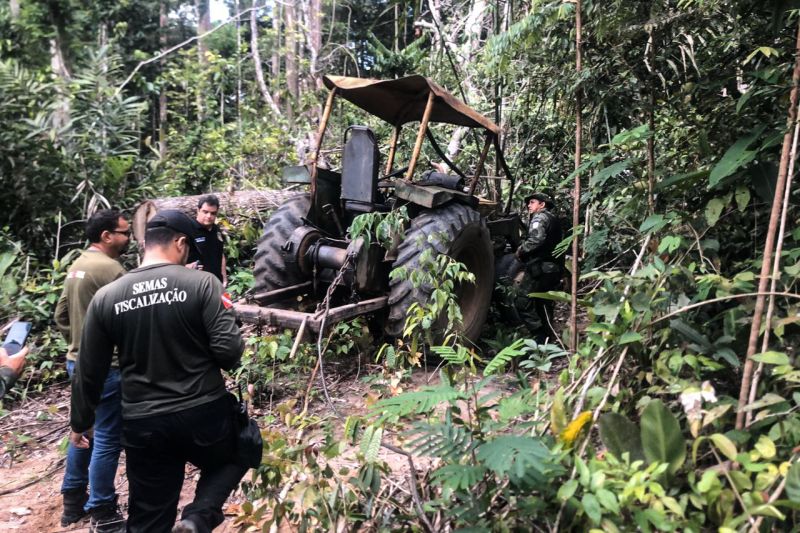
536	251
174	331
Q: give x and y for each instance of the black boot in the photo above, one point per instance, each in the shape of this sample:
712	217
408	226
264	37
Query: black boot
106	519
74	500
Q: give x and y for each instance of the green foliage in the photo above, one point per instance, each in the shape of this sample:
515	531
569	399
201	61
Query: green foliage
661	436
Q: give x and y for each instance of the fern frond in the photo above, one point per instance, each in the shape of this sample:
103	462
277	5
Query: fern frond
371	443
445	440
521	458
506	354
458	477
454	357
417	402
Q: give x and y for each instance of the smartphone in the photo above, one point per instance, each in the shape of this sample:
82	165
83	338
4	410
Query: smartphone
16	337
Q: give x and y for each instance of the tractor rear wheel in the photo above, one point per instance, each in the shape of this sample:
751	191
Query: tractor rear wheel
271	270
459	232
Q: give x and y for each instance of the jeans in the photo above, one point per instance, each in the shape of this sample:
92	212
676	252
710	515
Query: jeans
157	449
96	466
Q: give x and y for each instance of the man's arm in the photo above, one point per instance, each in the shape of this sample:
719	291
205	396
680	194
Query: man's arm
62	315
94	360
224	271
219	320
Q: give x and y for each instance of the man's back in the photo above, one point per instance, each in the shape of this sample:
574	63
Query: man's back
173	334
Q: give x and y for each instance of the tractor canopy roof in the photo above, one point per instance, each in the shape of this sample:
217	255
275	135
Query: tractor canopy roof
403	100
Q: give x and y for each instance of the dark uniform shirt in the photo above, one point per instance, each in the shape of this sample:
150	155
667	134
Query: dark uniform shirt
174	332
210	244
7	380
544	234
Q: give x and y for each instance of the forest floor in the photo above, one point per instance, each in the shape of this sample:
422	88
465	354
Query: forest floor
33	432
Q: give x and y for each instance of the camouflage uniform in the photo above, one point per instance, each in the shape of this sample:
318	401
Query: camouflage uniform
543	269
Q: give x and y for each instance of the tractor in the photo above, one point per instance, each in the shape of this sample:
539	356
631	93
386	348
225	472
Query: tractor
307	253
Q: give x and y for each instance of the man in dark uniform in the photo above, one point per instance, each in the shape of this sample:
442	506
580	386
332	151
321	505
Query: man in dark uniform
173	331
536	251
209	255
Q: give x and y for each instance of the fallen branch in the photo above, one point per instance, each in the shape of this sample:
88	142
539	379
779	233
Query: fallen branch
414	488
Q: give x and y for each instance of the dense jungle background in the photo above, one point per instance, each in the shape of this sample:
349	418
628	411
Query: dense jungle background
678	407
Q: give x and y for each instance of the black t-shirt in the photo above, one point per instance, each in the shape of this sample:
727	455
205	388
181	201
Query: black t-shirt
210	243
173	329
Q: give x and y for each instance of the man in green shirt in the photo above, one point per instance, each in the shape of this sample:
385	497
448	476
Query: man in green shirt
174	330
543	268
108	233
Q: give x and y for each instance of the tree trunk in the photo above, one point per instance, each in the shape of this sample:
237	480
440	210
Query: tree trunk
203	26
262	85
276	48
13	7
292	81
769	245
315	39
163	9
576	200
233	205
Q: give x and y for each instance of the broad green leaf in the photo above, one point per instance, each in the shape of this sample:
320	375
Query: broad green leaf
765	447
708	481
608	500
771	358
662	440
765	401
724	445
741	480
558	417
793	483
653	223
567	490
638	133
629	337
620	435
592	507
767	510
766	50
673	505
610	171
669	244
735	157
714	210
742	196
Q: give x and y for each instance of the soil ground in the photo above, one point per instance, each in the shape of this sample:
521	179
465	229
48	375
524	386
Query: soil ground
33	428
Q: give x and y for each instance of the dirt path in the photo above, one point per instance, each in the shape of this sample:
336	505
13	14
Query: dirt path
32	467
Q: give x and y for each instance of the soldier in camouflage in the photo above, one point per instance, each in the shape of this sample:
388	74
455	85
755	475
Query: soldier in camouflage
543	268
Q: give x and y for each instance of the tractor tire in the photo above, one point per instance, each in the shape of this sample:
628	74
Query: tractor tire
463	235
270	269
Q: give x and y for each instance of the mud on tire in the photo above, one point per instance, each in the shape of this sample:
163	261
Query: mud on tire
462	235
270	268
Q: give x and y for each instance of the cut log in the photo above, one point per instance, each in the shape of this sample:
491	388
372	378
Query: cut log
249	204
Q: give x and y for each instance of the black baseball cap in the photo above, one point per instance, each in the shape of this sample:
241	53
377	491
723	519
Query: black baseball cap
176	221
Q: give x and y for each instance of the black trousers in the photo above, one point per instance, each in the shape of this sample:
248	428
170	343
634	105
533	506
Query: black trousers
157	449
